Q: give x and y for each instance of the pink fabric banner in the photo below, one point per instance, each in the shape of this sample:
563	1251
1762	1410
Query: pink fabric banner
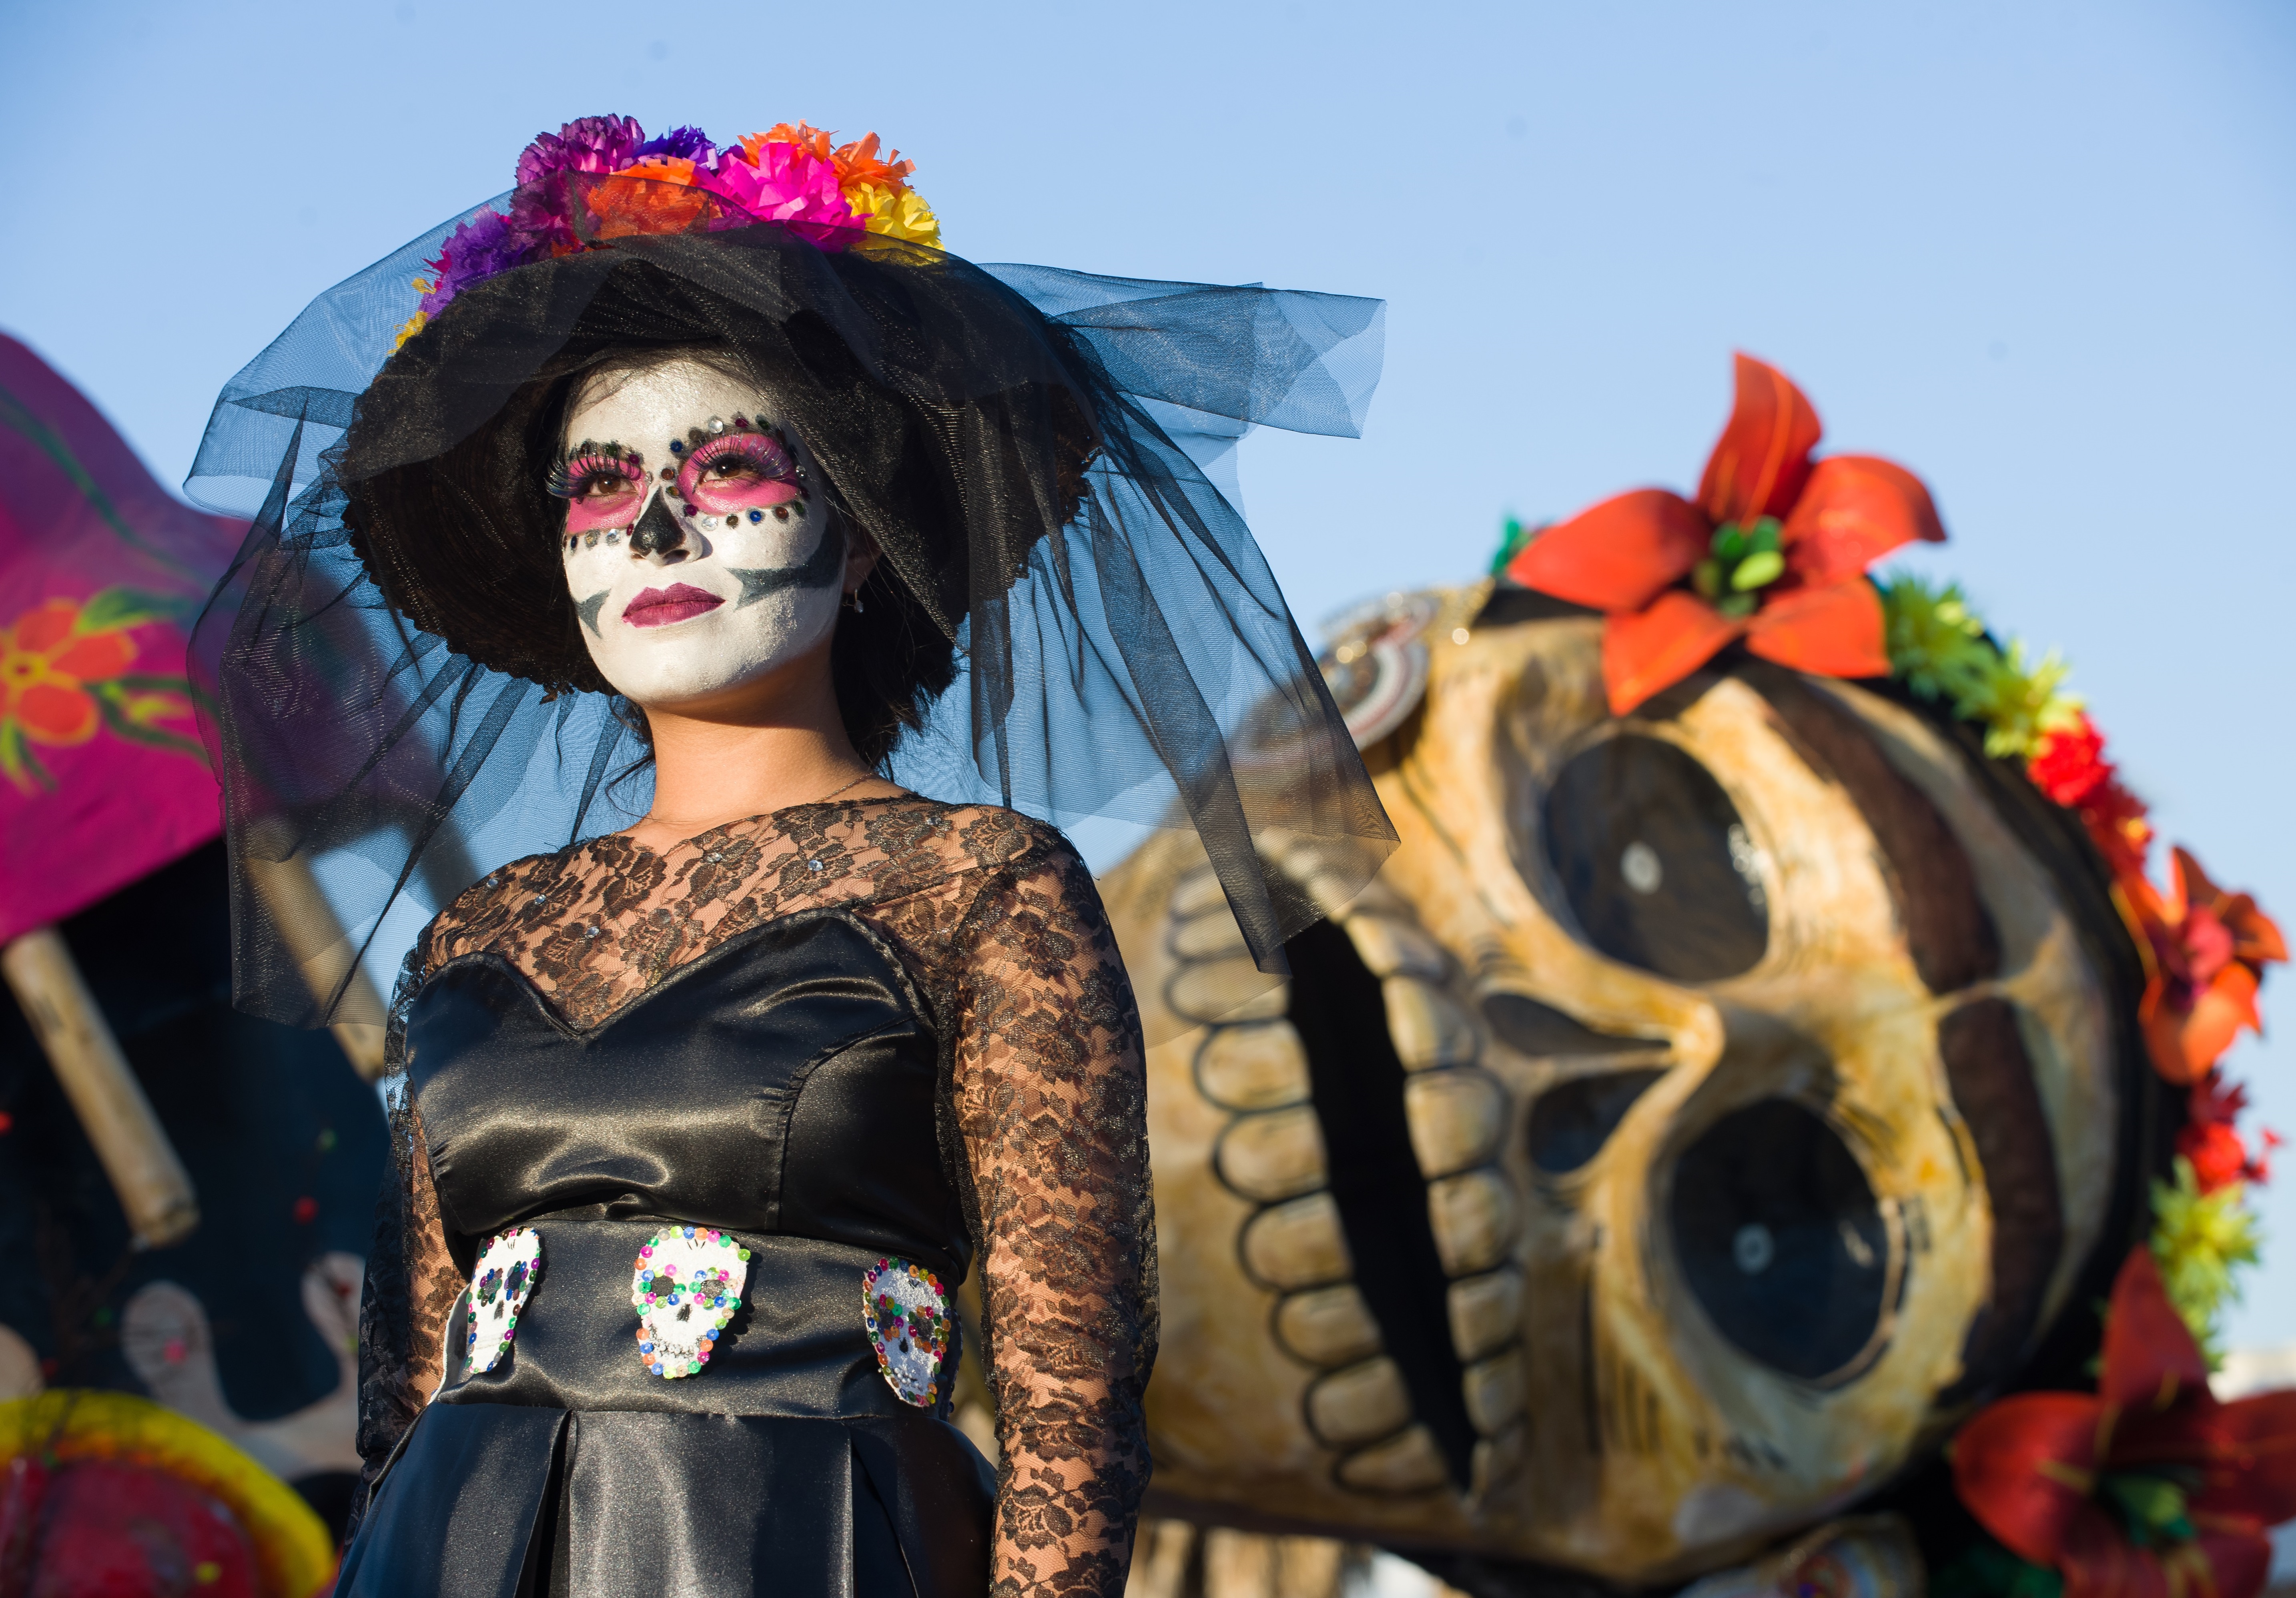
102	777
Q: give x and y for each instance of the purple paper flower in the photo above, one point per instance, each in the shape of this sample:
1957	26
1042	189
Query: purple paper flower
474	252
679	144
586	144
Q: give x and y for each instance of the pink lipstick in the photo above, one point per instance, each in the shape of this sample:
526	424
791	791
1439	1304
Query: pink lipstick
662	607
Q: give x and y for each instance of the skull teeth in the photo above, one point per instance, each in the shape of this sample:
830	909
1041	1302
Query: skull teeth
1271	1152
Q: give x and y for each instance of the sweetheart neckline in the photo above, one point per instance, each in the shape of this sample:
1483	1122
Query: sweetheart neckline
496	960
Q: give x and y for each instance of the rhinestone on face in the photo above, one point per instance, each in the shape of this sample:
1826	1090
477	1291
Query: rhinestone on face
589	931
716	424
756	516
815	864
676	447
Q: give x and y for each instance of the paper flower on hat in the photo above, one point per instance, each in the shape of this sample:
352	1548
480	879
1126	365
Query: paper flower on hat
600	178
1774	550
2148	1489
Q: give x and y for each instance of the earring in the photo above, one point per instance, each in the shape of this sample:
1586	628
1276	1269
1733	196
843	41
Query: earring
854	598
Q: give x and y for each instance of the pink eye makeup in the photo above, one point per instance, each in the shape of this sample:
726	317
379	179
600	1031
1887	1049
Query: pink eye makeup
737	472
603	487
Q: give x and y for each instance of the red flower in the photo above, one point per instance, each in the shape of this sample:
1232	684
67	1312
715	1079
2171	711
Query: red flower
1774	552
2209	950
2071	769
2150	1489
2220	1157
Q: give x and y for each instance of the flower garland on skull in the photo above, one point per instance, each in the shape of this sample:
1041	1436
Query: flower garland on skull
1773	553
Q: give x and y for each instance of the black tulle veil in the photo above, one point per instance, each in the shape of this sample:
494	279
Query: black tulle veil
1135	662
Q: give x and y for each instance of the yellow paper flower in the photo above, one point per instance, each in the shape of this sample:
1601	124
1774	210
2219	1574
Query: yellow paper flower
897	214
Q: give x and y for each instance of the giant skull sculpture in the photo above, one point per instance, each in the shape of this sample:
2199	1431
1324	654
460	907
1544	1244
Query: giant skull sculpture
1698	1113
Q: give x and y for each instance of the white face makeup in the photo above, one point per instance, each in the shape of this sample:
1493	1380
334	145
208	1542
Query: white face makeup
700	556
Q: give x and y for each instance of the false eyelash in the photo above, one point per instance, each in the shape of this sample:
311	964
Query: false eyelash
570	476
763	450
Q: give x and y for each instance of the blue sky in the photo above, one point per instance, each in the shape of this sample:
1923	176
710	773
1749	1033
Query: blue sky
2046	255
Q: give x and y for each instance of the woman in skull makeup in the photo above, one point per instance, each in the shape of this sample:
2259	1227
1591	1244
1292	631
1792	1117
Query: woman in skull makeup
710	466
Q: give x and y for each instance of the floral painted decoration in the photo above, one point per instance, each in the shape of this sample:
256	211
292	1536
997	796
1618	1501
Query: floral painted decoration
905	1310
64	677
600	178
2150	1487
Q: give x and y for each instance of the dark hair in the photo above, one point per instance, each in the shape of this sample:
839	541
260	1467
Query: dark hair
463	542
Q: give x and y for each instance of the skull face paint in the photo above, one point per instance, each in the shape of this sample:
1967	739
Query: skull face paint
698	557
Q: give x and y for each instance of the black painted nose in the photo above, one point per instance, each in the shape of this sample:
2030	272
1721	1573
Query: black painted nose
658	532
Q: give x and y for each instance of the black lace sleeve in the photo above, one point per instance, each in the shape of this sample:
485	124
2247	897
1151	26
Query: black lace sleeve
410	1282
1051	1092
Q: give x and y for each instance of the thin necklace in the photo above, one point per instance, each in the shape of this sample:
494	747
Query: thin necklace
823	799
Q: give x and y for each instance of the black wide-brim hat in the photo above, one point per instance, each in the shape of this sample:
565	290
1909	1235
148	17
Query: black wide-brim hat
401	698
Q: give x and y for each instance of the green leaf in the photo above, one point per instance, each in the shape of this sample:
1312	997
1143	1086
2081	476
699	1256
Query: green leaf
18	763
114	607
119	711
1512	537
2198	1241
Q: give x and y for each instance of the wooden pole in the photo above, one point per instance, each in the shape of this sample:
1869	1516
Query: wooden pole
153	1187
316	939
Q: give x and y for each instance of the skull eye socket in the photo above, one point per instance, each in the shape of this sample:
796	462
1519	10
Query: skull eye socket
1655	861
1781	1239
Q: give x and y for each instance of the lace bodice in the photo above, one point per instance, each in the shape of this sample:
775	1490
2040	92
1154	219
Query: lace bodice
1002	931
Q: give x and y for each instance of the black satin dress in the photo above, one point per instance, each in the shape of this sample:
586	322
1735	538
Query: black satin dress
785	1088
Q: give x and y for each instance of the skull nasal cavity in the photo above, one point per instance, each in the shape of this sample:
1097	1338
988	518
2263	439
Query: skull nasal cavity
1780	1238
1657	865
1571	1123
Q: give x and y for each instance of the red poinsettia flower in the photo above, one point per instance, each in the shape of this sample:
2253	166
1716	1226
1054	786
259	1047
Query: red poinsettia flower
1774	552
2148	1489
2209	950
2213	1142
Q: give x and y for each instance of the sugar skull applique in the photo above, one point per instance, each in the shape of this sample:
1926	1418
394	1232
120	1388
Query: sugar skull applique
906	1312
499	1288
687	1285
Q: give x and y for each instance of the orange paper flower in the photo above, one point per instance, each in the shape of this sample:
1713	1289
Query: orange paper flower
2150	1487
1774	550
2209	950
